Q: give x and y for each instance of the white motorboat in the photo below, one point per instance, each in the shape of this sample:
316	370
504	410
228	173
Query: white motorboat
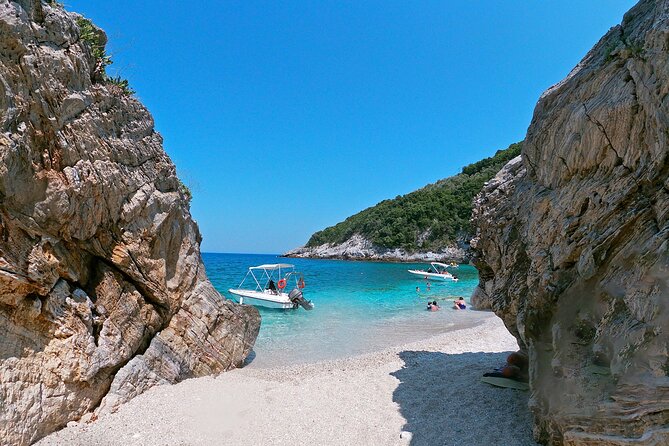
436	271
268	285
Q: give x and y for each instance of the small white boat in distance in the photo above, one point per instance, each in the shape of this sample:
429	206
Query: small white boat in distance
268	285
436	271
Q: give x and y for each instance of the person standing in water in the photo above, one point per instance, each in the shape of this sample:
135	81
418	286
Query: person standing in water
459	304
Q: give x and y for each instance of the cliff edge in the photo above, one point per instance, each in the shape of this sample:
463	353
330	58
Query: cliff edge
102	289
573	242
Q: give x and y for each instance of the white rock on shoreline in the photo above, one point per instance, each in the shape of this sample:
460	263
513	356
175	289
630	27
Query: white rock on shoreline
359	248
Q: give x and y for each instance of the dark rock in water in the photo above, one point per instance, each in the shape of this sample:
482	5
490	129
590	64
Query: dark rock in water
573	243
102	290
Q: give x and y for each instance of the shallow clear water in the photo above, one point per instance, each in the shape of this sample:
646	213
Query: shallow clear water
360	307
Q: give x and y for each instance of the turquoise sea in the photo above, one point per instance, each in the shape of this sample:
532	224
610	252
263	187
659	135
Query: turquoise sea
360	307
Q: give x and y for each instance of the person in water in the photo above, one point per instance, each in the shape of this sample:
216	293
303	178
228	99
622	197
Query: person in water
418	289
459	304
271	286
433	306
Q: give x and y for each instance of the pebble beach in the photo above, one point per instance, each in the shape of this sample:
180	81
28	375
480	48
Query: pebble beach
422	393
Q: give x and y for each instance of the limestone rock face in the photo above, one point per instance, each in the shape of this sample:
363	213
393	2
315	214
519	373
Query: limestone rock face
357	247
573	247
102	290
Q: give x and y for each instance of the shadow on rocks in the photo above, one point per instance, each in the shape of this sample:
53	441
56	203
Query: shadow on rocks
444	402
250	358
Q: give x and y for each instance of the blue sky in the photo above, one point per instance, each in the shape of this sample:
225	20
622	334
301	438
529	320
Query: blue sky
287	117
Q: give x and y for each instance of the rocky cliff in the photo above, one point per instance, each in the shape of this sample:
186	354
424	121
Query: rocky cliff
102	290
573	242
358	247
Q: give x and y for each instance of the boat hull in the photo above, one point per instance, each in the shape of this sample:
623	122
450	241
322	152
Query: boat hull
432	276
262	299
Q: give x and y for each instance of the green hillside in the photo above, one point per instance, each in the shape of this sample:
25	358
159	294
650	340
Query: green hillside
426	219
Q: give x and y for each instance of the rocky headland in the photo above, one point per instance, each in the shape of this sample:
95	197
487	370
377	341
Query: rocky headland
429	224
102	290
573	243
359	247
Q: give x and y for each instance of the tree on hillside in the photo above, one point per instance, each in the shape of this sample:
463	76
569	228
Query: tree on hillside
427	219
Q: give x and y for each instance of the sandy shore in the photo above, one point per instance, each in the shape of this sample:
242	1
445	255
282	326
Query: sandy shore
429	388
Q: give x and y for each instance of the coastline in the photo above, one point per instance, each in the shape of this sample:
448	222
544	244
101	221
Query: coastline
375	259
428	389
359	248
419	257
380	259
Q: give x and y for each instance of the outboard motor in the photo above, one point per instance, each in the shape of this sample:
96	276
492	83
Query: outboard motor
297	298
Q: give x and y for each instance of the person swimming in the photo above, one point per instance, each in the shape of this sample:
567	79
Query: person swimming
432	306
459	304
